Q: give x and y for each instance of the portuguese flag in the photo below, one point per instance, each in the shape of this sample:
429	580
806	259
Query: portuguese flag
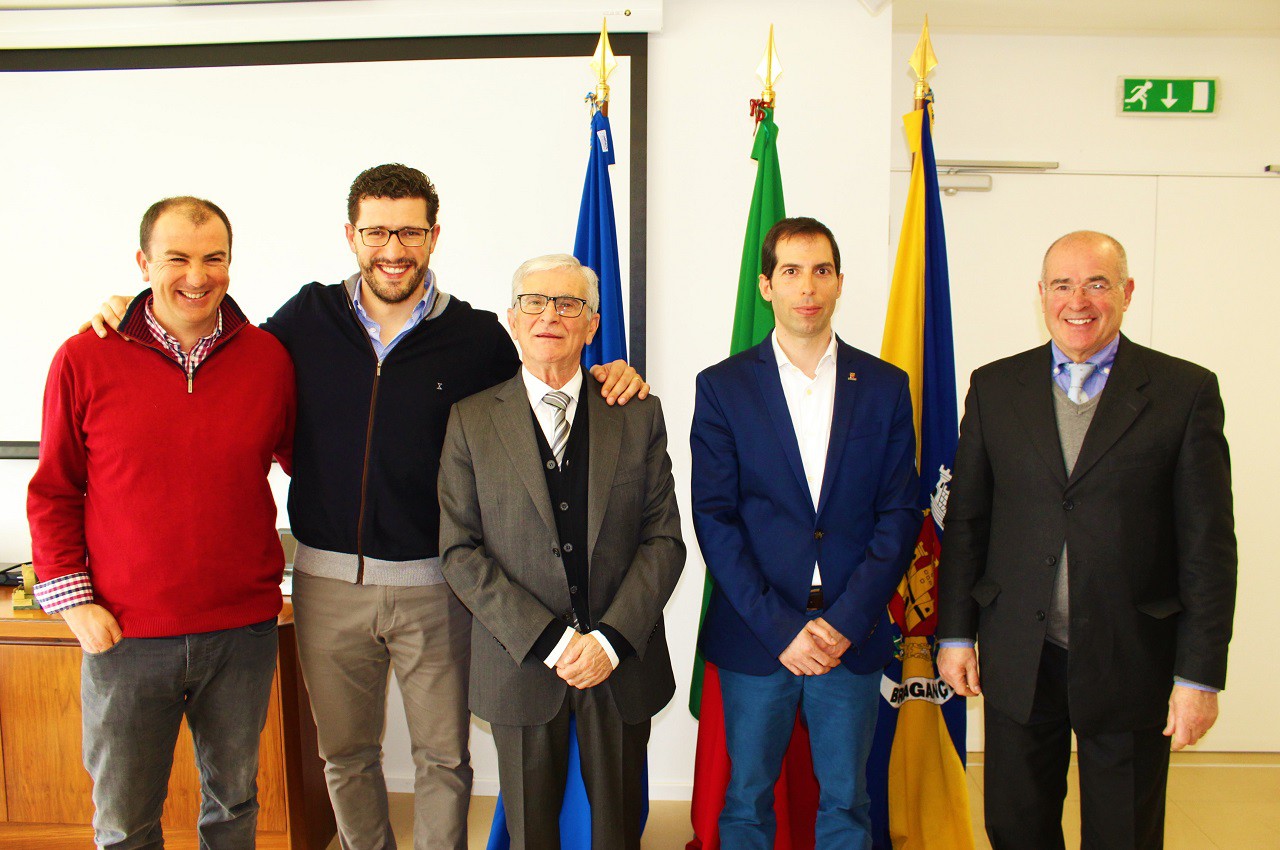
796	794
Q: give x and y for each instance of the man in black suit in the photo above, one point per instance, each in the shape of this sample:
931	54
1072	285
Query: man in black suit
1090	552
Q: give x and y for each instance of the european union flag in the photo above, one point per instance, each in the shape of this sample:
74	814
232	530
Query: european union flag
596	245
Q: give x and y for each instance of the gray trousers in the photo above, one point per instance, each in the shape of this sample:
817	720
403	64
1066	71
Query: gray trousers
133	697
350	638
533	762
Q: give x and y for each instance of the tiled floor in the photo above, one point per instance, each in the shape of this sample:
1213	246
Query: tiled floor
668	827
1216	801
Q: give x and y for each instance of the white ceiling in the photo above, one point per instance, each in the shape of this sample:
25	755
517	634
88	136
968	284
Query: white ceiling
105	4
1066	17
1079	17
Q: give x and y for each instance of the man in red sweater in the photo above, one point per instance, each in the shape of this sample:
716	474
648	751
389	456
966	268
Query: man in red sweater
153	531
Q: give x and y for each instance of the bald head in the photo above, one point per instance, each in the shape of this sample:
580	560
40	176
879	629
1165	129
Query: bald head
1089	239
1085	289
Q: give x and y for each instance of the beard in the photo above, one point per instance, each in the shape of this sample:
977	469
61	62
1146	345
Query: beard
392	293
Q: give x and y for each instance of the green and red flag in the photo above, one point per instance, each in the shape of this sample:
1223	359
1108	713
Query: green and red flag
796	794
752	315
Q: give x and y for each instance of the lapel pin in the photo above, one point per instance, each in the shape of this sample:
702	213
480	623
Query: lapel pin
853	376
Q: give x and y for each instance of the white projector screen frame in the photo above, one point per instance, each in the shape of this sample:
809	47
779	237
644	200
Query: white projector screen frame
274	132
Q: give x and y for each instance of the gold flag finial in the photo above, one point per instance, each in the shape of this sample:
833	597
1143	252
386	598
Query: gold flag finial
923	61
603	63
769	71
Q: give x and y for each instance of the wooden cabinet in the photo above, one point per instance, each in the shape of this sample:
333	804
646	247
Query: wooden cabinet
45	799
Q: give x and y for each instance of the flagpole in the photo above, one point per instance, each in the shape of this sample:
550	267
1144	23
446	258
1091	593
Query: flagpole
752	316
923	61
603	63
927	787
595	246
796	793
769	71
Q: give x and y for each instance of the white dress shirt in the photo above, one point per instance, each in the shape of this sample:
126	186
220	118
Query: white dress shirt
811	403
545	414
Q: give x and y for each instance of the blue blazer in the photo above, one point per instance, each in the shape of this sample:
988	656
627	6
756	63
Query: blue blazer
755	520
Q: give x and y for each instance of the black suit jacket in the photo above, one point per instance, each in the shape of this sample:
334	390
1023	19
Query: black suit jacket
1147	518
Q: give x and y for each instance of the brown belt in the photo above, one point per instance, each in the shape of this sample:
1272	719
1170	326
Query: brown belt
815	598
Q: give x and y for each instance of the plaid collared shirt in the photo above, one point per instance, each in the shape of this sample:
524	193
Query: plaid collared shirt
187	360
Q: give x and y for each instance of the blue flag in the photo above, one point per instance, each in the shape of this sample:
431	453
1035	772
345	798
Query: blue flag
596	245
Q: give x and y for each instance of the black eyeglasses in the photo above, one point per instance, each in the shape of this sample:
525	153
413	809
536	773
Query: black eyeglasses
567	307
410	237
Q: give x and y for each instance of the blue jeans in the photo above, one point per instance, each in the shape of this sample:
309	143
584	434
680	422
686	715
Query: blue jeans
759	713
133	697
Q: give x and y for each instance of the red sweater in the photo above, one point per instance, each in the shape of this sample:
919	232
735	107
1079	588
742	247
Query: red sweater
159	493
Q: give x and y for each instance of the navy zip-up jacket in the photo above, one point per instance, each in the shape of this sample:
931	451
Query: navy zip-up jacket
368	439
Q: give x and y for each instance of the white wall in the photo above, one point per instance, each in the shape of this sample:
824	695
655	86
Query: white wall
1032	97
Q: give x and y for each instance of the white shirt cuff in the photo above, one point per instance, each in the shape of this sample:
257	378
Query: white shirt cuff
551	659
606	646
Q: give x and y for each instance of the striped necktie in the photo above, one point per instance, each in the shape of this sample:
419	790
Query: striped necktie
1080	373
559	424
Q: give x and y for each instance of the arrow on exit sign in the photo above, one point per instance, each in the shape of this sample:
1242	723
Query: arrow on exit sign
1153	96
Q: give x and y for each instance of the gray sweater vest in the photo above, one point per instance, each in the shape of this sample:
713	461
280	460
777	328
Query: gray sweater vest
1073	424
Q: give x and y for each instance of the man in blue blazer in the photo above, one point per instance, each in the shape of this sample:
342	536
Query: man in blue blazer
804	489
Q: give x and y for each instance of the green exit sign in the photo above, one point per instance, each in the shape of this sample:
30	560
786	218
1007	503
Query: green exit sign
1153	96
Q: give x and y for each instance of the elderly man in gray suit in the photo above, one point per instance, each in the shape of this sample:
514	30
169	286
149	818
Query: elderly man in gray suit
567	606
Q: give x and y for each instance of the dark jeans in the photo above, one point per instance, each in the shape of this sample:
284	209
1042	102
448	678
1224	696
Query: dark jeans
840	709
134	696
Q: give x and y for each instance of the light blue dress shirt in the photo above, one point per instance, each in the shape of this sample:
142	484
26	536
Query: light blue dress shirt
375	330
1102	362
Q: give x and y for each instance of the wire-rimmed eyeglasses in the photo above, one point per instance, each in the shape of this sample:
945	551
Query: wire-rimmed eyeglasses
567	306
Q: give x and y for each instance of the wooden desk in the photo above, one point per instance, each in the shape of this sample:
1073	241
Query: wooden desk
45	799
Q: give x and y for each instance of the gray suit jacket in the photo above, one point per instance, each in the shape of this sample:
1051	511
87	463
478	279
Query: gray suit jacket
499	545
